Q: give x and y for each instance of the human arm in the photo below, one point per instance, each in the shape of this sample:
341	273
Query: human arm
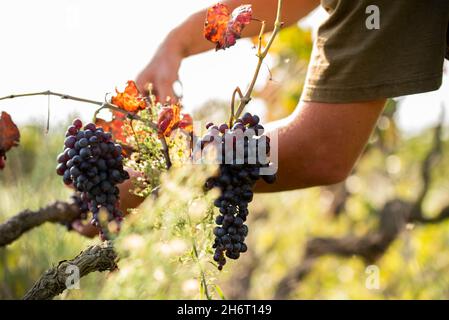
187	39
320	143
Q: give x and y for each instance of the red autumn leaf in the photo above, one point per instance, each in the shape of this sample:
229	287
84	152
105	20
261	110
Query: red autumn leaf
130	99
116	128
169	117
223	27
9	136
186	123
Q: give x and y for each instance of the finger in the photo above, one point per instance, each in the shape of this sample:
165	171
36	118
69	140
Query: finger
142	86
86	230
165	92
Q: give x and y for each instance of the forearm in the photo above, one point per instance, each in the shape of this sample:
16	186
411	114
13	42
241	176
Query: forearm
188	35
320	143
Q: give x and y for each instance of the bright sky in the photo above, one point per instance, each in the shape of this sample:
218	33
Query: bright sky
86	48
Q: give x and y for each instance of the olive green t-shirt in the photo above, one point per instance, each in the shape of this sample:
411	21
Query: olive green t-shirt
373	49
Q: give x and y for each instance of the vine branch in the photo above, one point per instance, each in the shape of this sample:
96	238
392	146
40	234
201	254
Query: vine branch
166	152
57	212
261	54
103	105
239	92
53	282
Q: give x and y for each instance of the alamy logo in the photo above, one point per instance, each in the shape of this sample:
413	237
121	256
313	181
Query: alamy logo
372	22
73	279
372	281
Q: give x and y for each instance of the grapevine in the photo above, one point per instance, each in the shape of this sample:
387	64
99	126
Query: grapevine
140	136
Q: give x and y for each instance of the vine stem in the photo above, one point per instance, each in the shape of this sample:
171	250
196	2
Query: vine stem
239	92
103	105
51	93
261	54
166	152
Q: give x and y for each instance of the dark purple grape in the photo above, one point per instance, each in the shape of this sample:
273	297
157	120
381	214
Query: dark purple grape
69	164
222	128
238	126
90	126
85	153
72	130
219	232
106	186
66	177
74	172
60	169
71	153
101	198
93	140
247	118
62	157
255	120
107	136
70	142
77	160
110	163
80	135
77	123
88	134
83	142
115	174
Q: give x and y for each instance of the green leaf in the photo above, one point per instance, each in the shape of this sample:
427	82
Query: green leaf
220	292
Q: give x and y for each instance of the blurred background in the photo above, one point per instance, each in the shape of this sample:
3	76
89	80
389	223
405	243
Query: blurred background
318	243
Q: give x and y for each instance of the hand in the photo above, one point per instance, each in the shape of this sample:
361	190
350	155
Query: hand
162	70
85	229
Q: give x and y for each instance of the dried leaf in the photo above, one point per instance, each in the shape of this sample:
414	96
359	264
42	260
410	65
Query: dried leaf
130	99
186	123
224	28
116	128
9	136
170	118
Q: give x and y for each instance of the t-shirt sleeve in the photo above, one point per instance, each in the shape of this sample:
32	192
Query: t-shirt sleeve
355	59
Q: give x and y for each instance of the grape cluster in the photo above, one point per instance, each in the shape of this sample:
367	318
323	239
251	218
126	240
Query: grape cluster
77	198
93	164
235	179
82	212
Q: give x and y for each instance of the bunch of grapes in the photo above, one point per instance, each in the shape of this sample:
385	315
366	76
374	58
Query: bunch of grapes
235	179
93	164
82	212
